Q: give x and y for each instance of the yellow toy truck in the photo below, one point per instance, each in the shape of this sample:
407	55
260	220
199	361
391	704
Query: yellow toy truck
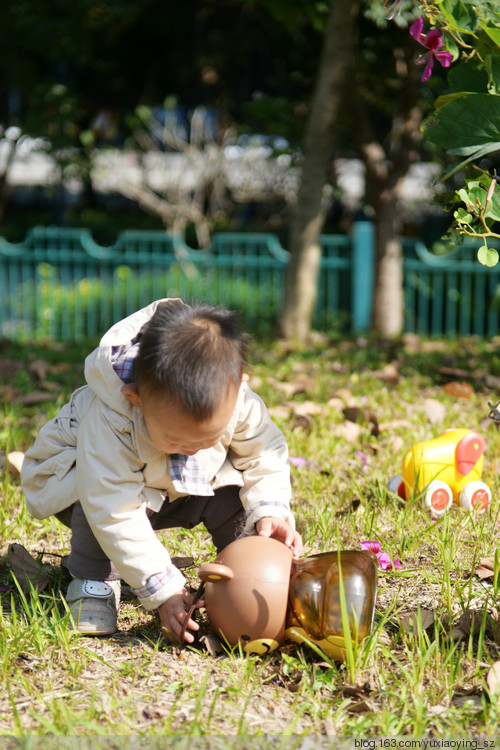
445	470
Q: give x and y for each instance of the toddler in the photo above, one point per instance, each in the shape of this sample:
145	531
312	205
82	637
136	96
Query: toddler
166	433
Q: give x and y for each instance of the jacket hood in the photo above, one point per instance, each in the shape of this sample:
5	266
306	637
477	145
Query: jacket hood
99	372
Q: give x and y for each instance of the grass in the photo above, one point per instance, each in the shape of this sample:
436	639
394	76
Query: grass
412	676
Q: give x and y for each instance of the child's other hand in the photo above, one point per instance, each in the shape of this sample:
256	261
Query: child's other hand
278	528
173	613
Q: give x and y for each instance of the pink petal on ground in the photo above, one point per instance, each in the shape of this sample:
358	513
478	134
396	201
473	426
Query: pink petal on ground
371	546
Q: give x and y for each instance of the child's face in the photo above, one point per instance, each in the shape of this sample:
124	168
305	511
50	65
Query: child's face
172	430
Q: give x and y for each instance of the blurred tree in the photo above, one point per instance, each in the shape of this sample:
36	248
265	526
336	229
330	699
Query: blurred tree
368	88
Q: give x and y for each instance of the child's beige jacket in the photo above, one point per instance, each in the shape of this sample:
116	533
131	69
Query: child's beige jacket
97	450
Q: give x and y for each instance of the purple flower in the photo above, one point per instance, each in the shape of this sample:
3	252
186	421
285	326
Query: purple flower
299	462
383	558
433	41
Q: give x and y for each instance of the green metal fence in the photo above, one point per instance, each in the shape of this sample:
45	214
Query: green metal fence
60	284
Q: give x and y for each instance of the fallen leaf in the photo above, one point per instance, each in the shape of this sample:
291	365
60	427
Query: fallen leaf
344	394
36	397
28	571
470	702
409	621
361	702
395	424
308	409
302	422
469	622
460	390
350	431
434	410
454	372
183	562
212	644
336	403
40	368
300	384
486	568
493	382
8	393
14	463
396	444
493	680
388	374
280	412
352	413
438	710
9	367
348	509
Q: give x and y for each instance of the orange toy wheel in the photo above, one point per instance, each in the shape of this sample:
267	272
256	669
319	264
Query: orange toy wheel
475	496
438	498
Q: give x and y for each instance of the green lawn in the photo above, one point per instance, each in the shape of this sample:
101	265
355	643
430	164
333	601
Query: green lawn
350	409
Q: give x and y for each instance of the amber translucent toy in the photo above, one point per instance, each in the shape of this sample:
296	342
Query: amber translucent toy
315	611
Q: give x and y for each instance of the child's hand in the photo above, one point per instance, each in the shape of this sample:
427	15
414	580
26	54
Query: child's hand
278	528
173	613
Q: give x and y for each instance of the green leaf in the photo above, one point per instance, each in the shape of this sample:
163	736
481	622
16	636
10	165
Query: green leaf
467	77
493	33
462	216
493	68
471	120
488	256
458	15
472	155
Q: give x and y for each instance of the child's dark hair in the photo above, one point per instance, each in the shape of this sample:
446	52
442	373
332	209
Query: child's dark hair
192	355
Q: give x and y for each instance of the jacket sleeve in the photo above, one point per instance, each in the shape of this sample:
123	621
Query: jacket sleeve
258	449
110	483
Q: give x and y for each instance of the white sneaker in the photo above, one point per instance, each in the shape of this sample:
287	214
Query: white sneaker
93	606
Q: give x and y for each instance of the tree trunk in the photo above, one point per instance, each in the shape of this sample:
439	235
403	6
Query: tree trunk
387	163
305	252
388	303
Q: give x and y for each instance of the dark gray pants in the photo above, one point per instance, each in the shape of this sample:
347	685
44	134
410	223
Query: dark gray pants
221	514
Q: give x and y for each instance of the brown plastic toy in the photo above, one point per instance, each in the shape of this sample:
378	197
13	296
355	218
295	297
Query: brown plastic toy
246	592
257	595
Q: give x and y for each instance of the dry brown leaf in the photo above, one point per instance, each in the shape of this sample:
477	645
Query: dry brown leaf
281	412
8	393
346	395
460	390
183	562
388	374
302	422
300	384
352	413
493	679
14	463
486	568
469	622
360	696
36	397
9	367
348	509
40	368
409	621
212	644
349	431
469	702
26	569
493	382
308	409
434	410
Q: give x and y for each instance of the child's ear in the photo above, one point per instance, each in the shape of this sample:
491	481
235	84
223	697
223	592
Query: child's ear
131	393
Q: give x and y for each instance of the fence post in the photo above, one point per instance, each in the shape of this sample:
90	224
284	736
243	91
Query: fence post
363	274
